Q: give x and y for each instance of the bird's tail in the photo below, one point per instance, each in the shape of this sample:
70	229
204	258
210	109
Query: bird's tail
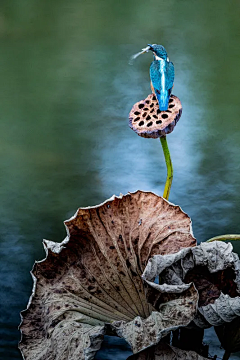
163	99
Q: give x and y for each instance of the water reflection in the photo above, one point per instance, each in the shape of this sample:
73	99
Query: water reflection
66	90
113	346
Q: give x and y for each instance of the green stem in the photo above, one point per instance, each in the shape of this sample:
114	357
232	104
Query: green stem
168	161
227	237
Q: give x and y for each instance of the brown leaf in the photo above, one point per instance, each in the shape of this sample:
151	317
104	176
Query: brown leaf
210	285
94	276
215	271
141	333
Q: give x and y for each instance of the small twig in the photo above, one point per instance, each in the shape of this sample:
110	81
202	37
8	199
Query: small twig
168	161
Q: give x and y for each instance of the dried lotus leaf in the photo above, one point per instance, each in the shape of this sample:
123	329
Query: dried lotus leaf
172	314
223	310
217	263
94	276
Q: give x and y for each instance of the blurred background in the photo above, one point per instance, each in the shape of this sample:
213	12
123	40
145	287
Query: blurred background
66	91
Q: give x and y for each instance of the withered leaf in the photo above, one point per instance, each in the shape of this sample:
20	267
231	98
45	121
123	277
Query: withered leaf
140	333
215	271
94	276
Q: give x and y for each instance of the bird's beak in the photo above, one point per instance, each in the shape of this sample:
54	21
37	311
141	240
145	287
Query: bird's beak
151	46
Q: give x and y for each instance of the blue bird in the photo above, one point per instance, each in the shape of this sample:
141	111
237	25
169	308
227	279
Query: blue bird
161	75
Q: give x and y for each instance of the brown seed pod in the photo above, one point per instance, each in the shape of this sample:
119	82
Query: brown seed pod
148	121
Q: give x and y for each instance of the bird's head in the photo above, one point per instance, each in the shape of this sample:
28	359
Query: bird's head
158	51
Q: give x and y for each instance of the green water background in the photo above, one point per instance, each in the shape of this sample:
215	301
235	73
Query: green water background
65	93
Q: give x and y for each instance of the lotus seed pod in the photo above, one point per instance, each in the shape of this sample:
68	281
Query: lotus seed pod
148	121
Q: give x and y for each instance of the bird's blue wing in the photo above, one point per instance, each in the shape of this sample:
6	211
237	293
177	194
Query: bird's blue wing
155	75
170	76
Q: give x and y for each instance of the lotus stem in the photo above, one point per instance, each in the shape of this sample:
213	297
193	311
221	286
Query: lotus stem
228	237
168	161
226	355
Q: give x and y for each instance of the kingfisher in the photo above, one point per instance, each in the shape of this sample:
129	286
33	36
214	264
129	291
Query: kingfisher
161	74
